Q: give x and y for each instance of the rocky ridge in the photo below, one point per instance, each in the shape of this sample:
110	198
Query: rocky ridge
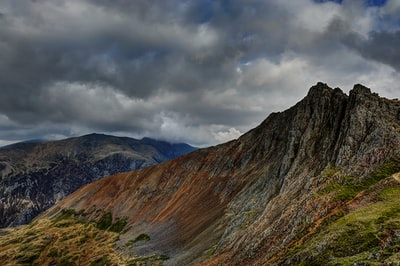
35	175
256	200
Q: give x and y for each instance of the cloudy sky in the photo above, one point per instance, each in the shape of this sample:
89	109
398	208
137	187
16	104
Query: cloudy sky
201	72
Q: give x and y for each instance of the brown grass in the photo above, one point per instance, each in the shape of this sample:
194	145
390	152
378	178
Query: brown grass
65	242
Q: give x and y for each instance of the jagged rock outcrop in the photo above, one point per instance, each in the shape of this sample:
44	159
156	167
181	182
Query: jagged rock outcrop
34	176
354	133
252	200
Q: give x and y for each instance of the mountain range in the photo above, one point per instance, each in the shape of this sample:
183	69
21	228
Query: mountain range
36	174
317	184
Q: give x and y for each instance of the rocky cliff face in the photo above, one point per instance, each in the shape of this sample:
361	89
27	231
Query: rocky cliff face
326	132
256	200
34	176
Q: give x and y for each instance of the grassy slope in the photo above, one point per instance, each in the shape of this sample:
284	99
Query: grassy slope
68	240
64	241
367	234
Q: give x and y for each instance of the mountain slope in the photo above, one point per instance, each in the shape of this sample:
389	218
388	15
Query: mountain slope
36	175
255	200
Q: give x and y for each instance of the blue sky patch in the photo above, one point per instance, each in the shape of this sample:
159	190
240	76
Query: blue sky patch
377	3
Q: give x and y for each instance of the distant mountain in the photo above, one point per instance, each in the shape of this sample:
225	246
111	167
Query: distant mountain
25	141
317	184
32	141
36	174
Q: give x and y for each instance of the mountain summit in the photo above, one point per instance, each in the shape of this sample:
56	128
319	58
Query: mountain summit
257	200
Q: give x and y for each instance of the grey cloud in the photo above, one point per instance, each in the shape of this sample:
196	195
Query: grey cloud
380	46
197	71
137	67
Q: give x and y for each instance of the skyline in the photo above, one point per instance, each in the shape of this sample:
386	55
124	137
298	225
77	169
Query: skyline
200	72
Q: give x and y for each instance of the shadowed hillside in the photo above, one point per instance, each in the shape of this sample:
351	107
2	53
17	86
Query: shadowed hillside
33	176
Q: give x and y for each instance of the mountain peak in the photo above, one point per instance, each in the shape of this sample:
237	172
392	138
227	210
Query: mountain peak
322	91
362	97
361	89
319	89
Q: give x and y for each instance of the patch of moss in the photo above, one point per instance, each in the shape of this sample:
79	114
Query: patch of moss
142	237
118	225
294	250
347	191
105	221
330	171
348	187
385	170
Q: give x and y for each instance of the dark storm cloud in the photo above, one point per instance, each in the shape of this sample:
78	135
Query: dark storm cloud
379	43
197	71
379	46
121	54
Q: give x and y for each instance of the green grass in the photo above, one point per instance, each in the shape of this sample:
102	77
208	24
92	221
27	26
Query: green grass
348	186
118	225
330	171
355	236
66	214
69	217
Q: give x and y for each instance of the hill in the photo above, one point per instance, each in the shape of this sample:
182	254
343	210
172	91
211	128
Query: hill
35	175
